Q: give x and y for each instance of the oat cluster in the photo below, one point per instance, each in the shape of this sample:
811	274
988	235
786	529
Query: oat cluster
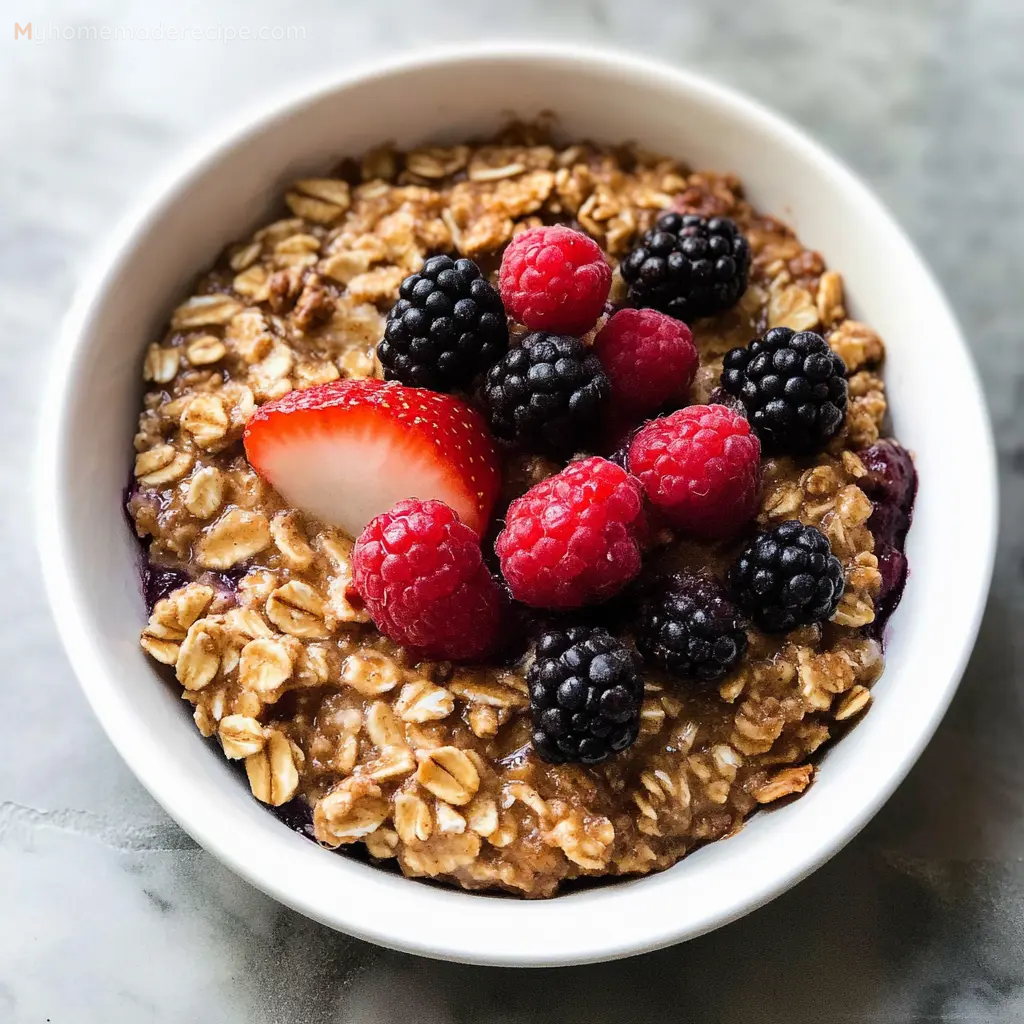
428	764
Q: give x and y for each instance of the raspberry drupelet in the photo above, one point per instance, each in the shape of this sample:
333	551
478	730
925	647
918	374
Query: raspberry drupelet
650	360
554	279
421	574
573	539
701	468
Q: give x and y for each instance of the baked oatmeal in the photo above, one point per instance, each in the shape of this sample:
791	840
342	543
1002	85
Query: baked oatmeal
642	572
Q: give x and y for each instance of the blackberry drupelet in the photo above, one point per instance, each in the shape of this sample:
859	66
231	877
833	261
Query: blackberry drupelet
447	326
688	266
787	577
688	626
585	694
548	392
793	388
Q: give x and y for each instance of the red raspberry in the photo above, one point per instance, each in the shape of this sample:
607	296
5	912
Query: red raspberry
649	357
420	572
554	279
573	538
701	467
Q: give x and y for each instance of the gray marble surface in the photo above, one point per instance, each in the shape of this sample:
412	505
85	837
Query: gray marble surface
109	913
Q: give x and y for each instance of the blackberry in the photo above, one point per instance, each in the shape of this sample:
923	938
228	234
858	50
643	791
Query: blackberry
688	266
447	326
788	577
793	387
585	694
548	392
689	627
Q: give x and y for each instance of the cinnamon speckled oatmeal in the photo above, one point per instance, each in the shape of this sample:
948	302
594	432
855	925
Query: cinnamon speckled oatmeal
430	764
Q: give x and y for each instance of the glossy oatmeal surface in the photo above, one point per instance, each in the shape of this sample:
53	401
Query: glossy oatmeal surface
430	764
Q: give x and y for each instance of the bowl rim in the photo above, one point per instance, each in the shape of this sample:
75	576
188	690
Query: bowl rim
591	943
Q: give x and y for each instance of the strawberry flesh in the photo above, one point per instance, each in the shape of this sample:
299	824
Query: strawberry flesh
349	450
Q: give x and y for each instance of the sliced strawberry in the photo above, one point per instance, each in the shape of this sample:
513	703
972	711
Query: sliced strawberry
349	450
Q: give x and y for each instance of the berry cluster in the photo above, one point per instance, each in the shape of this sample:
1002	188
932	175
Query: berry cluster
353	452
688	266
793	388
788	577
420	571
447	326
546	393
689	627
701	467
585	694
551	391
554	279
573	539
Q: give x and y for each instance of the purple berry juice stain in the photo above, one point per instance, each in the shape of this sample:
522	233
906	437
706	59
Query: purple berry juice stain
891	484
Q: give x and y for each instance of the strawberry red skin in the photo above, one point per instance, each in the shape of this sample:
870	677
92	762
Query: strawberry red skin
422	427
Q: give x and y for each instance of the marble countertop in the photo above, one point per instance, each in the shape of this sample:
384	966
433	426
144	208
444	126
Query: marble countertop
111	914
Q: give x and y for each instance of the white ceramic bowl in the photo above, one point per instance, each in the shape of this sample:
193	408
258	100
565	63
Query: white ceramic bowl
90	558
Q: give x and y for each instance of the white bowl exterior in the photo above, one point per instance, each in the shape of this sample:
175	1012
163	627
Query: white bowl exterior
90	559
